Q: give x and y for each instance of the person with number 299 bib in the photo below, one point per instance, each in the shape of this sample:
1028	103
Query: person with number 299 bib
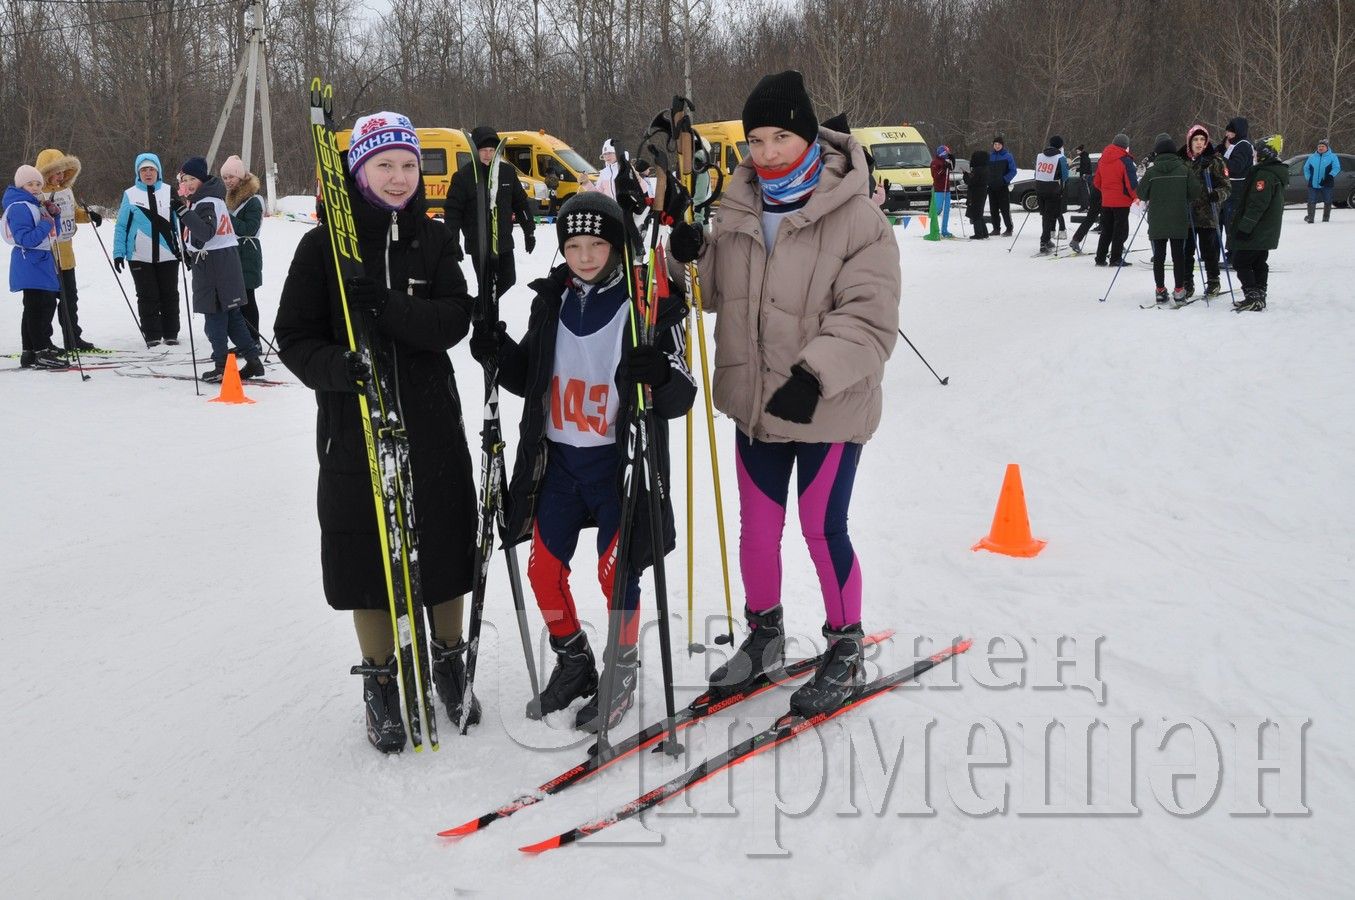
577	367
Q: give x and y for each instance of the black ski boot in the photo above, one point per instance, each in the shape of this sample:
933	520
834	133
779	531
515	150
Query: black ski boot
575	675
625	677
215	373
837	678
50	359
27	359
1212	289
763	652
1253	300
449	677
385	727
253	367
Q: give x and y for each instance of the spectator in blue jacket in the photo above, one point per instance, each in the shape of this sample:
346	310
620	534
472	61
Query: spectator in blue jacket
145	241
1001	171
1320	172
31	225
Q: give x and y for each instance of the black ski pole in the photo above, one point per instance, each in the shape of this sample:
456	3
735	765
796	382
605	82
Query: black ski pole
1198	261
1019	230
125	298
259	334
188	305
1218	232
1122	261
945	380
637	453
66	314
491	505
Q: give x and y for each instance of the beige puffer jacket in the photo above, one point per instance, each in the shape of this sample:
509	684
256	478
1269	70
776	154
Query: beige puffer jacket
828	299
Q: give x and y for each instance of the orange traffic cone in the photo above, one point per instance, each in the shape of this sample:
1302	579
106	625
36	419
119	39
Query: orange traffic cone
231	389
1010	533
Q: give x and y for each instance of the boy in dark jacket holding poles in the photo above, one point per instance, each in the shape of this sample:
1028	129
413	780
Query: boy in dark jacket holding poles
462	203
577	368
213	253
1169	188
1257	218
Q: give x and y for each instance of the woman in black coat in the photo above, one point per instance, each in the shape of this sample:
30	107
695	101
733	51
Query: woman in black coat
414	302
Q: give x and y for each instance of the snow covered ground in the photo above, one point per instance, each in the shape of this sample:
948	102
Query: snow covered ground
179	719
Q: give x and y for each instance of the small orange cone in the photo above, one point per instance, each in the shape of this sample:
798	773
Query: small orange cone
231	389
1010	534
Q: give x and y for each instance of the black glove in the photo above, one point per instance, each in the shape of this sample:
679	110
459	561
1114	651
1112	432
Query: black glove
359	372
1213	196
796	400
366	295
95	219
685	241
529	241
118	262
52	209
177	205
646	364
485	340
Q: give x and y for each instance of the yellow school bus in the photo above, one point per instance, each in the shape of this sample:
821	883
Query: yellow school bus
902	160
545	157
728	145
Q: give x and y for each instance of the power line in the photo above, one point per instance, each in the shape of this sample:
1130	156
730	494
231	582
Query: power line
149	15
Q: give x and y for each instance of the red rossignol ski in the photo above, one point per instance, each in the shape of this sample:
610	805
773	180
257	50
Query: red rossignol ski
698	709
784	729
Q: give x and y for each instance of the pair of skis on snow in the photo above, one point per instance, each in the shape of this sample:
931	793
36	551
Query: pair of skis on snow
787	727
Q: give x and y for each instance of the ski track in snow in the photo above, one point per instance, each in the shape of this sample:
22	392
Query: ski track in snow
182	721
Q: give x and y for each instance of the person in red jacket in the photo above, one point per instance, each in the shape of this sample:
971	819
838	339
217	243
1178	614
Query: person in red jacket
1116	179
942	166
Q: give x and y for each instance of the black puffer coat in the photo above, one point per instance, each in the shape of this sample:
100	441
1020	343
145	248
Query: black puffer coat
426	313
526	368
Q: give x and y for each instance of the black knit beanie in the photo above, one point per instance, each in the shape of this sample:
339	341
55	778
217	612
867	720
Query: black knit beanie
196	166
594	213
1163	143
484	136
1056	142
781	101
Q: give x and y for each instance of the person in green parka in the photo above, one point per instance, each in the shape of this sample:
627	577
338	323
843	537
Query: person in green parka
246	208
1168	189
1255	228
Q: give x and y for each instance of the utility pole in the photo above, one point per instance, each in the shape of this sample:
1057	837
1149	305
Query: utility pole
253	72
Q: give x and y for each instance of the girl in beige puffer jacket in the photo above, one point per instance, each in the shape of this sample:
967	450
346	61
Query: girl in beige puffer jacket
802	271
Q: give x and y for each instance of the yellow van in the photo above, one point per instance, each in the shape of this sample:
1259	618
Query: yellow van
444	151
727	142
545	157
903	159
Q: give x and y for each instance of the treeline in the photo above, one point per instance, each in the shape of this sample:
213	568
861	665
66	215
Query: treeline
106	79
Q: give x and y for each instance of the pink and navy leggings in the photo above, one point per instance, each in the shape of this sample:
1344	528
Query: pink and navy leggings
824	477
